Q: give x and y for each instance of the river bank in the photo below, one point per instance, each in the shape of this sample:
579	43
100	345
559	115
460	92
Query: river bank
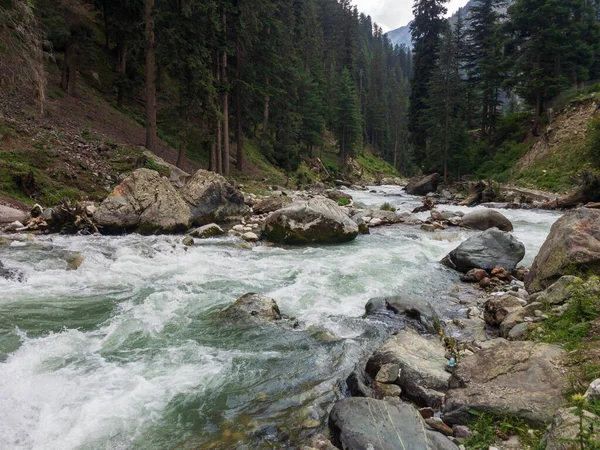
142	313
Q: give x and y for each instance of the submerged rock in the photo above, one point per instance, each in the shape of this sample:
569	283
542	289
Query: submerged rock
523	379
487	250
572	245
485	219
212	198
254	306
421	363
11	274
315	221
366	423
145	202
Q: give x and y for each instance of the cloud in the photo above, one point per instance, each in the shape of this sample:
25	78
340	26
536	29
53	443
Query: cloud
391	14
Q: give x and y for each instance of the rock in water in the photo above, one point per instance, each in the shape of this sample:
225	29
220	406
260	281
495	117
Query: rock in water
422	362
486	219
145	202
366	423
492	248
519	378
254	306
410	306
424	185
206	231
11	274
573	244
213	199
316	221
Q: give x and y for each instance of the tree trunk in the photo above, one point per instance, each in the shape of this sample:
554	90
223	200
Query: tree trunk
105	11
239	130
123	46
213	157
150	78
69	78
538	113
265	120
225	104
183	114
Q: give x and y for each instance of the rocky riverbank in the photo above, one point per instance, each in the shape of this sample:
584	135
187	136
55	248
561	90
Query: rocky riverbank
502	308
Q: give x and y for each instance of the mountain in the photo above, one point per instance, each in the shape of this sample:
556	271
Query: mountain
401	36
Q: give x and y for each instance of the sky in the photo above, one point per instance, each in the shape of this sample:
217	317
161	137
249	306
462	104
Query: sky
392	14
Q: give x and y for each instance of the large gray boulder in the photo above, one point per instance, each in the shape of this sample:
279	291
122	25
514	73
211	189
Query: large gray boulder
315	221
211	198
565	428
557	293
424	185
271	204
8	214
422	363
524	379
573	245
492	248
255	307
366	423
177	177
485	219
406	305
144	202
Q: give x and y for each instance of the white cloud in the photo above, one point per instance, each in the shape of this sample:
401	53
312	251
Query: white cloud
391	14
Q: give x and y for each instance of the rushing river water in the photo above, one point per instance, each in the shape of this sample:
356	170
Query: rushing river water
129	352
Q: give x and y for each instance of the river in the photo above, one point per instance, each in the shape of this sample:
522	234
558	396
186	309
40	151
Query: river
129	351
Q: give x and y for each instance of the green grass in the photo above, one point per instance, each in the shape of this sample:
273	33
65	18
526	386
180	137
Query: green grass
387	207
571	327
343	201
376	166
162	170
486	428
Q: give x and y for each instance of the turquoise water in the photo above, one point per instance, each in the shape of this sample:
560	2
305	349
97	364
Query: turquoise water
129	351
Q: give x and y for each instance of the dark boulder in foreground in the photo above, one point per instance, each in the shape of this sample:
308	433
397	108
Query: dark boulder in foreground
573	245
423	186
315	221
485	219
366	423
487	250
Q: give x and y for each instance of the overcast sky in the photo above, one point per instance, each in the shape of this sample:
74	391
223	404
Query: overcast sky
391	14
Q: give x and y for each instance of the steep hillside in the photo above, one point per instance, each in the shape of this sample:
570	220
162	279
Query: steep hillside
557	159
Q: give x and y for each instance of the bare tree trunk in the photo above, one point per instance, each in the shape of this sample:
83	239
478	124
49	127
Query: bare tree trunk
183	114
68	81
225	104
105	14
213	157
239	131
265	120
150	79
123	47
219	122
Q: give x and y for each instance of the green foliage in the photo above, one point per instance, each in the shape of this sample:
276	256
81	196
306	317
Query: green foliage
570	327
375	165
387	207
487	426
153	165
589	427
593	141
499	166
342	201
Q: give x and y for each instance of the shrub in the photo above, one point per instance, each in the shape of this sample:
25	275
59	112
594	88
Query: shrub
387	207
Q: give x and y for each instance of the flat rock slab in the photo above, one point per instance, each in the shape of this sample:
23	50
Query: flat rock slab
519	378
365	423
422	362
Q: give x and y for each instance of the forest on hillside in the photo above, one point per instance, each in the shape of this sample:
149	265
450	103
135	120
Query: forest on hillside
289	74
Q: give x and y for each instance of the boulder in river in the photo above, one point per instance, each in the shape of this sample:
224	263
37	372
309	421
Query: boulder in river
484	219
572	245
366	423
206	231
212	198
413	307
146	202
253	306
315	221
422	363
271	203
523	379
424	185
487	250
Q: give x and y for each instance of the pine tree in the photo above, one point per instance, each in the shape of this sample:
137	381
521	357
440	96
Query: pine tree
426	30
347	128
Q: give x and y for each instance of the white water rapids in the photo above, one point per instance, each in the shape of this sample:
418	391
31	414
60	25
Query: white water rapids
128	351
